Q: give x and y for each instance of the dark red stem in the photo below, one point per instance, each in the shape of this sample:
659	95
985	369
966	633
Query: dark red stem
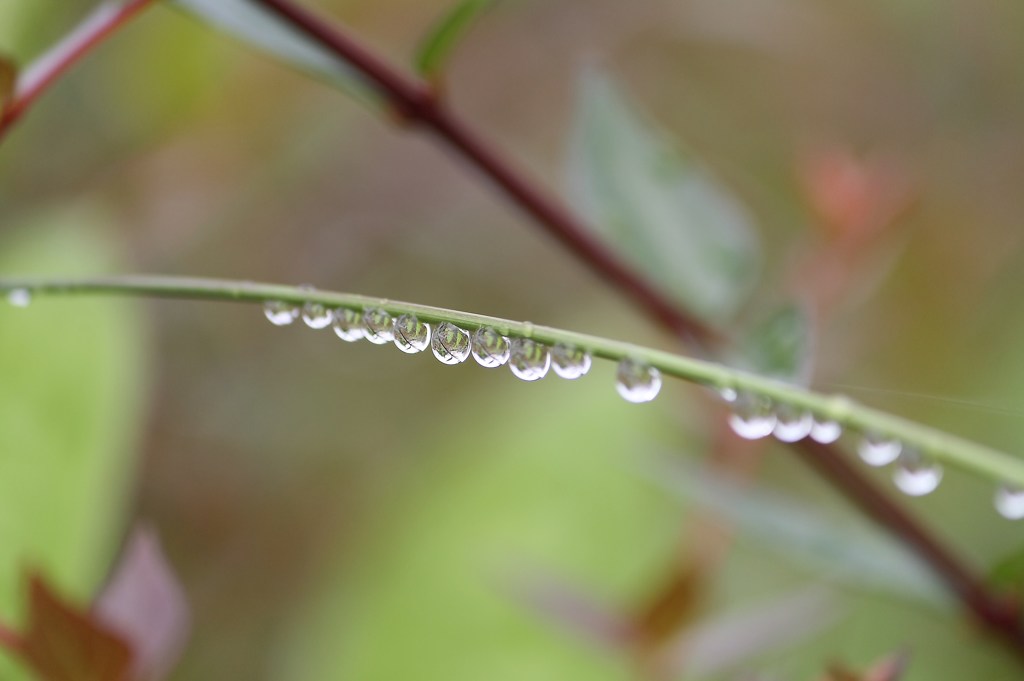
93	30
418	103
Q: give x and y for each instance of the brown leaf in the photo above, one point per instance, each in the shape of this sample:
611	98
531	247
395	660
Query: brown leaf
60	643
144	603
8	81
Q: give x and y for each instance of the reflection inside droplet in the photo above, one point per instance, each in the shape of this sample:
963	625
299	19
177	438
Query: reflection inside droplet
569	362
378	325
529	360
348	324
316	316
1010	502
490	348
411	335
752	416
916	476
792	424
450	344
280	313
825	432
875	450
636	381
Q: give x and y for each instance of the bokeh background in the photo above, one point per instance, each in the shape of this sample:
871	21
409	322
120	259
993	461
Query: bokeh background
348	512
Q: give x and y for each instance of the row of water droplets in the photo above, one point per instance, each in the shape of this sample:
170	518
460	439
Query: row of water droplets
755	416
526	358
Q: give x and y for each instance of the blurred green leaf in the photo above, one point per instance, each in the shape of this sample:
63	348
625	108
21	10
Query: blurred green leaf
802	535
508	483
70	406
8	79
262	29
658	207
1009	572
442	39
779	345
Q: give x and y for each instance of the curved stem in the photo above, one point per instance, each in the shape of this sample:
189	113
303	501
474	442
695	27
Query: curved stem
92	31
929	441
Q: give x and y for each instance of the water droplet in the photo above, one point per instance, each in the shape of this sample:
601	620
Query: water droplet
316	315
451	345
490	348
570	362
728	394
280	313
411	335
826	432
637	382
752	416
19	297
378	326
528	359
792	424
914	475
348	324
878	451
1010	502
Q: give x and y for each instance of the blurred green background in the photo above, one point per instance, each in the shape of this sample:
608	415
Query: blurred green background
347	512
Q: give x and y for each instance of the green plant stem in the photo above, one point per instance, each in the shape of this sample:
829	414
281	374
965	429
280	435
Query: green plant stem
931	442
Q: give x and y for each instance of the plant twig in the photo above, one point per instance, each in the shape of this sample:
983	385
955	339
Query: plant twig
852	416
93	30
416	101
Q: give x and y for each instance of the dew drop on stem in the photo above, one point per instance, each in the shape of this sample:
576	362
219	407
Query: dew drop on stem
490	348
792	424
826	432
411	335
377	323
916	476
1010	502
450	344
280	313
348	325
752	416
636	381
529	360
570	362
19	297
878	451
316	315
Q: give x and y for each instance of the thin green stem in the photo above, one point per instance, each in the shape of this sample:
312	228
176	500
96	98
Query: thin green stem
931	442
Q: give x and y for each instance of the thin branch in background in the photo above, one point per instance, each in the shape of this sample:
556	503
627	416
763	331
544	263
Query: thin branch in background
417	102
41	74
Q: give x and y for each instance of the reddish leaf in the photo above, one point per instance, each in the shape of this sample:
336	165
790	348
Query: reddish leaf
62	644
144	603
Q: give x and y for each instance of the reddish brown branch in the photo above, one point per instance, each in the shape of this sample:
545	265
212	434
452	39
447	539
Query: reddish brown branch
418	103
93	30
415	101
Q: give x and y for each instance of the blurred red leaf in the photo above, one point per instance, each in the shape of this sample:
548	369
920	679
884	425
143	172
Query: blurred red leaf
8	80
144	603
60	643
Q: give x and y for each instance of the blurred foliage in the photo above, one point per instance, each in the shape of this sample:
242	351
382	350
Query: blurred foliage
335	511
70	407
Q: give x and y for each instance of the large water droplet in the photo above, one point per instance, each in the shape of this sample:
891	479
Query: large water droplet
490	348
637	382
570	362
528	359
451	345
378	326
19	297
348	324
914	475
792	424
280	313
1010	502
752	416
826	432
411	335
878	451
316	315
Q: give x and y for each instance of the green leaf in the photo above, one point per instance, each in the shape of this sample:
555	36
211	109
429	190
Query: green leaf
803	536
658	207
779	345
71	401
442	39
262	29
